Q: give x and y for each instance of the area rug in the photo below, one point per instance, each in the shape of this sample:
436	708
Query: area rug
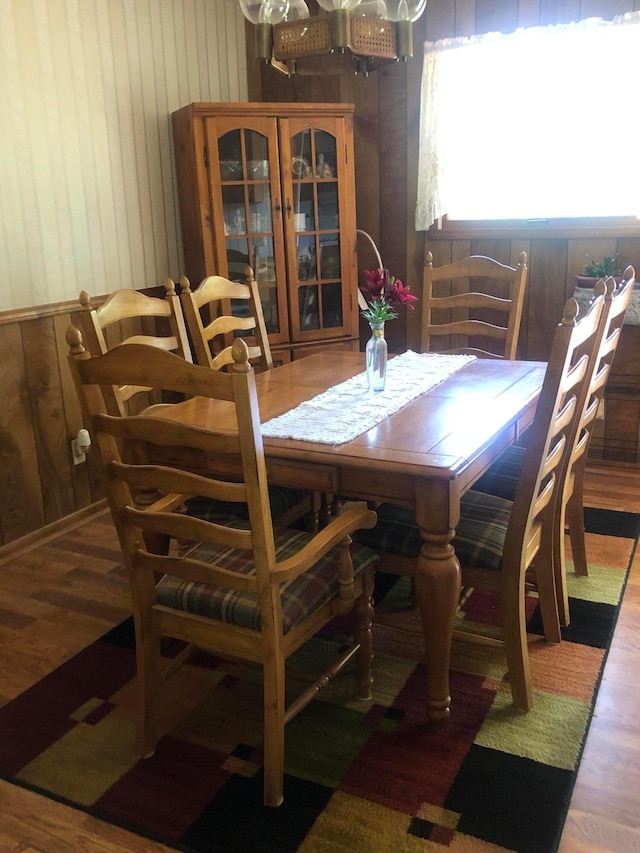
360	776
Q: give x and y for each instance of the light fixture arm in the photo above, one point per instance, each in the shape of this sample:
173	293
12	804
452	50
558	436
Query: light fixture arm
404	35
264	42
340	32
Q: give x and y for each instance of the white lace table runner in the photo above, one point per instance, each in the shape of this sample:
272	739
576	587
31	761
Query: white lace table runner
345	411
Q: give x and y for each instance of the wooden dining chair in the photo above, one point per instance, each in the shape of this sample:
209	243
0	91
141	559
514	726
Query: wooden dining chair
242	589
503	476
125	317
472	305
212	329
133	317
212	326
497	540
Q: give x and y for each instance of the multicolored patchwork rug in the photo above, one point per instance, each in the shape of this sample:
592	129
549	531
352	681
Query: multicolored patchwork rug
363	777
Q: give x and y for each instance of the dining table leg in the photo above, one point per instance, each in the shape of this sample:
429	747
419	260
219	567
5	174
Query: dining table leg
438	594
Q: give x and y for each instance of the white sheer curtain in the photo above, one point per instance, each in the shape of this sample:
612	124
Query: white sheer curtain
540	123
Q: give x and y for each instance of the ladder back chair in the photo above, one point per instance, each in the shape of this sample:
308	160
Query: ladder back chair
239	589
212	330
475	306
133	317
212	334
120	320
496	539
502	478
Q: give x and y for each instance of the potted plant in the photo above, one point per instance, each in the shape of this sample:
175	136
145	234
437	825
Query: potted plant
594	270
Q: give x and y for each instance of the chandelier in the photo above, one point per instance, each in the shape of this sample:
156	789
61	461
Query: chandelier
346	37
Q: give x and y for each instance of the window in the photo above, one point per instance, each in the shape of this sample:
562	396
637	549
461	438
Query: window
537	124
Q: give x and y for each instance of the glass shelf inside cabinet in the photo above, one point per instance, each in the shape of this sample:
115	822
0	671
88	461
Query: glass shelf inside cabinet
313	155
230	154
246	212
317	226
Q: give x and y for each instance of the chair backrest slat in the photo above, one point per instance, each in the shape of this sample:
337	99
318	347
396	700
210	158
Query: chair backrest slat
563	398
617	300
128	316
147	454
478	302
212	323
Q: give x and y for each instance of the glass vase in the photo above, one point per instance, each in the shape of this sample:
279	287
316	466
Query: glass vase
376	353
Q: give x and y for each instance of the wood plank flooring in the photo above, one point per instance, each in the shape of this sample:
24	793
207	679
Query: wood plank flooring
605	807
52	606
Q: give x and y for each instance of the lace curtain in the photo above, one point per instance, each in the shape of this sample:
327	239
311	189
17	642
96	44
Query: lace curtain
539	123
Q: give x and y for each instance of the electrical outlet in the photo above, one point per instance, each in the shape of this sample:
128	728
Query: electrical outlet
78	455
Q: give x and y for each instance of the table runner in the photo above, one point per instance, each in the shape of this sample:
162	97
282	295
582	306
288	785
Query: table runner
349	409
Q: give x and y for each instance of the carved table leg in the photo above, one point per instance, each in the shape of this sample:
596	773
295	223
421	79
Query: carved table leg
438	591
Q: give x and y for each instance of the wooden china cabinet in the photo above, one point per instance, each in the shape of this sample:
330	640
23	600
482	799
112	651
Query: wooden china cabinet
272	186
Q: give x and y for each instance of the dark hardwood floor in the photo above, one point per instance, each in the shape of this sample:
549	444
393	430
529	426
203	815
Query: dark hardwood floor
51	606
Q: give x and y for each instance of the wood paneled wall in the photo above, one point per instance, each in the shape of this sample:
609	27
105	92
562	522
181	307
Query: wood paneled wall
39	415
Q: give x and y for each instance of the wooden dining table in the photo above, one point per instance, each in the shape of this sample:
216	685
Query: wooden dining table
426	456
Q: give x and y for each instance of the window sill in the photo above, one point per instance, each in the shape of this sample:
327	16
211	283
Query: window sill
528	229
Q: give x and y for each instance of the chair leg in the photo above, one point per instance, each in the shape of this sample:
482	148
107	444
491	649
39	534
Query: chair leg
575	517
559	564
336	506
147	686
554	604
515	641
311	515
363	609
274	698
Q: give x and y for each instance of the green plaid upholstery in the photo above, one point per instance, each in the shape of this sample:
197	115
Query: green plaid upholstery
479	536
300	597
502	478
281	498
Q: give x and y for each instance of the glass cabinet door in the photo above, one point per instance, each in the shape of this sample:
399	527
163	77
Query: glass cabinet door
246	195
312	165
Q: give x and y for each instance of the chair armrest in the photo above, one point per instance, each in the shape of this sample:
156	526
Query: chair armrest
330	536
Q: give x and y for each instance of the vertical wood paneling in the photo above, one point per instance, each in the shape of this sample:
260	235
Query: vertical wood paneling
529	13
21	506
393	174
88	197
440	19
47	411
560	11
518	246
496	15
465	17
72	414
366	124
594	8
547	268
415	240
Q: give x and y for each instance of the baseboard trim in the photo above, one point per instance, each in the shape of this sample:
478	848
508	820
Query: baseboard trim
50	531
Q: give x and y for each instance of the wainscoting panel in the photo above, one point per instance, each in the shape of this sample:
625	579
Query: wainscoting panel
39	416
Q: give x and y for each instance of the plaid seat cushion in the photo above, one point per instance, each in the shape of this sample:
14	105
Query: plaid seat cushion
281	498
502	477
479	536
300	597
